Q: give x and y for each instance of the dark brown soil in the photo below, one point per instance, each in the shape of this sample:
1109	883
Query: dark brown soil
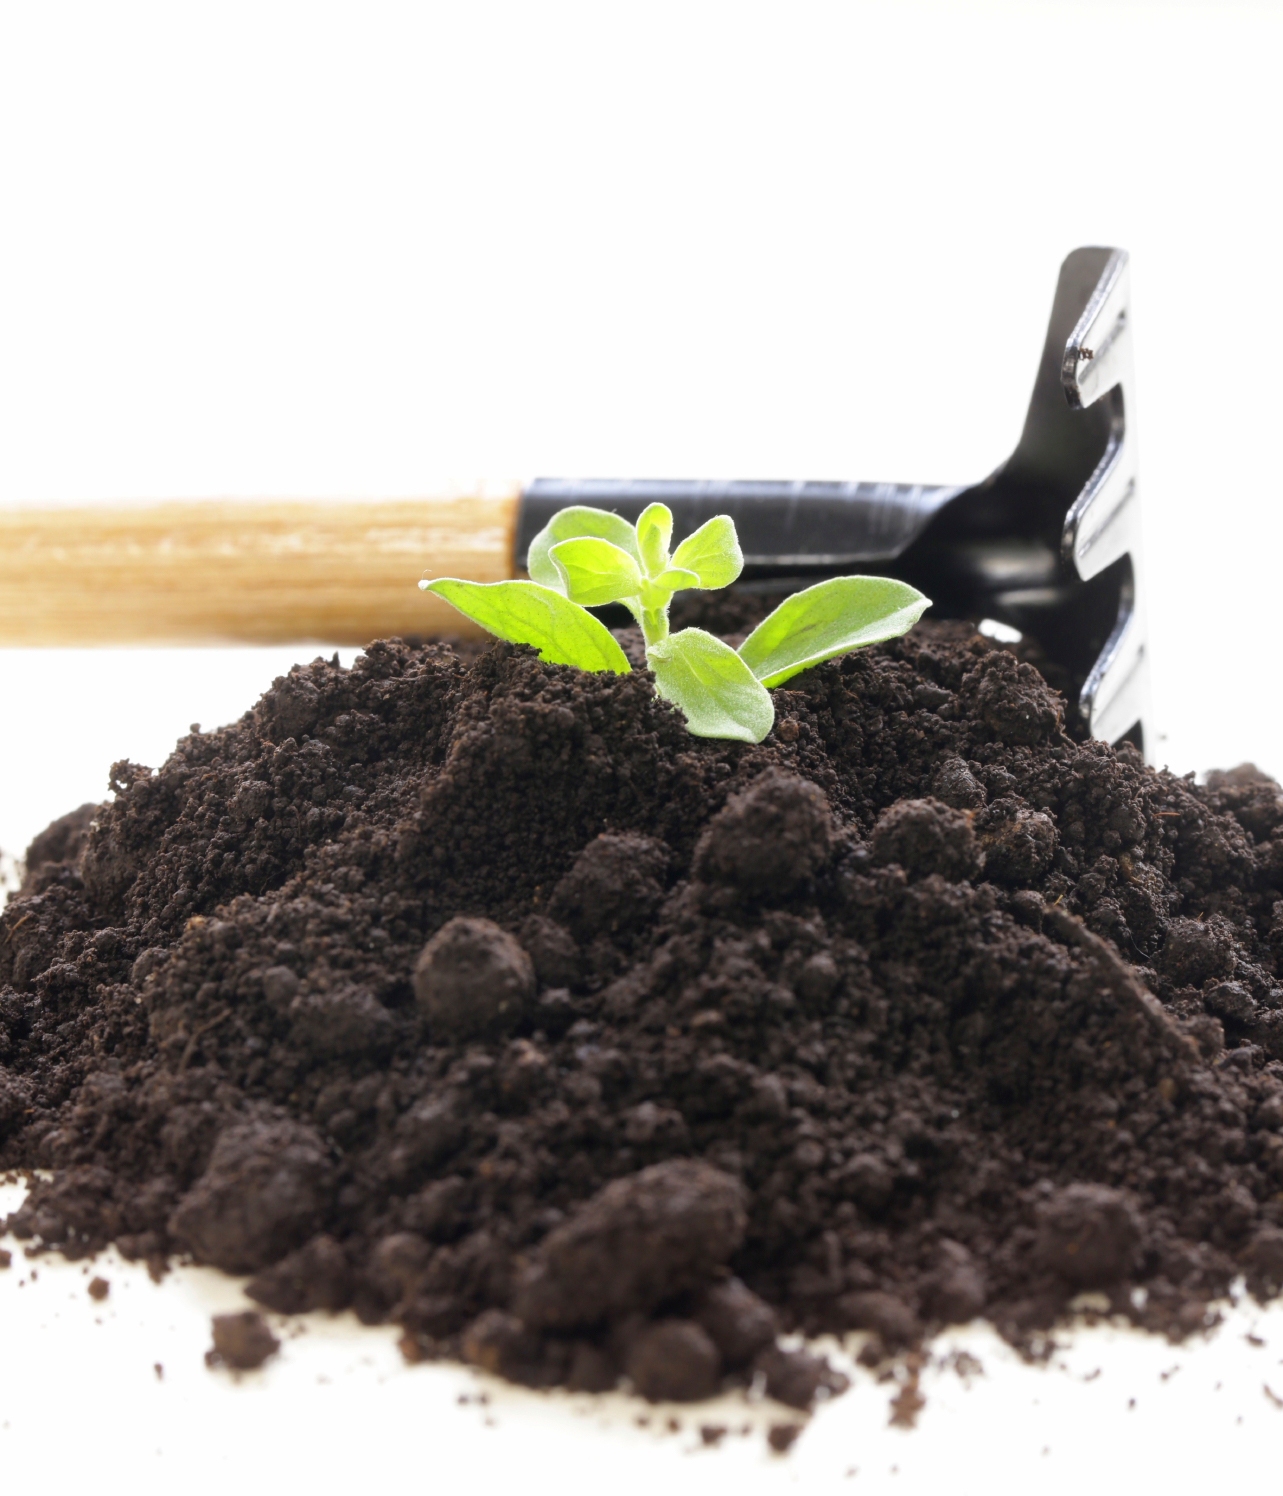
782	1436
242	1342
477	995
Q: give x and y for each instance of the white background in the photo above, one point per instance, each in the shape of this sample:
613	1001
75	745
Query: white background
318	249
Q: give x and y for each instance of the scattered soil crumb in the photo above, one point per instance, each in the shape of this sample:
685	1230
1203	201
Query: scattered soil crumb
159	1370
6	1257
966	1365
98	1288
907	1404
413	1349
242	1341
712	1433
1273	1396
782	1436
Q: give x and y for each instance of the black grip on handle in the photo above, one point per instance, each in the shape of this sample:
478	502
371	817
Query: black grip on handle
781	526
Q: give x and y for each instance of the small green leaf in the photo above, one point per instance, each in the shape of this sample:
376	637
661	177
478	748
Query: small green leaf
674	578
570	524
526	613
654	534
720	695
829	619
712	553
595	572
656	593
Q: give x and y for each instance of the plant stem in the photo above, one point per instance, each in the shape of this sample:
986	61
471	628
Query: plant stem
654	624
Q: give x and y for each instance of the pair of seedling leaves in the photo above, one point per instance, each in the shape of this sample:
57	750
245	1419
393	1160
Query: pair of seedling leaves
584	558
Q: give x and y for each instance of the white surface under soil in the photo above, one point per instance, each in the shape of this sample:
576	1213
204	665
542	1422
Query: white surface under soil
111	1394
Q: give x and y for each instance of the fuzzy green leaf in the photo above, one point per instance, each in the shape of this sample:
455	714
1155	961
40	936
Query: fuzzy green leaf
595	572
654	535
658	593
719	694
570	524
526	613
829	619
712	553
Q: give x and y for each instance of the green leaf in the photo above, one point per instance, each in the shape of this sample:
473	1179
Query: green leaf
526	613
829	619
712	553
570	524
654	534
720	695
674	578
594	572
657	593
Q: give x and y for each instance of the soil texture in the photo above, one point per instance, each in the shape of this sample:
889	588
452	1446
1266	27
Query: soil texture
475	994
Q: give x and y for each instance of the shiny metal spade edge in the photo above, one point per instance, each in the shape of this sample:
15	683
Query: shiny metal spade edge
1049	543
1102	527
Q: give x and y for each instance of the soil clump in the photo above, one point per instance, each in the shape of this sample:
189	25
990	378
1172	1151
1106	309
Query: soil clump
475	994
242	1341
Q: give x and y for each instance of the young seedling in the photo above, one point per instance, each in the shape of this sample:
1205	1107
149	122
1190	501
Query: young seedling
584	558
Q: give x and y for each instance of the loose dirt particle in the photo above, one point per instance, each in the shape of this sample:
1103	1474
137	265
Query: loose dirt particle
412	1348
99	1288
241	1341
907	1404
966	1366
782	1436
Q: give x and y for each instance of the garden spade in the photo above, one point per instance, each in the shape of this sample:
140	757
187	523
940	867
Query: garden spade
1048	543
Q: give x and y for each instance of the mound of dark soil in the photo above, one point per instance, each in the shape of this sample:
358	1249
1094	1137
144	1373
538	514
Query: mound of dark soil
480	996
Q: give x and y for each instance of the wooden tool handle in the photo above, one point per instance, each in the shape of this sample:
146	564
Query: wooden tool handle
245	571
